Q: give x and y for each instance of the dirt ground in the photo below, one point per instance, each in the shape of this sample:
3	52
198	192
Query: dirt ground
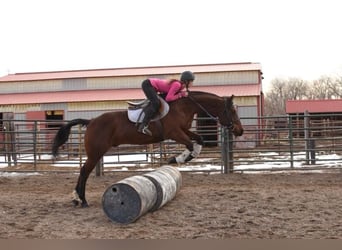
208	206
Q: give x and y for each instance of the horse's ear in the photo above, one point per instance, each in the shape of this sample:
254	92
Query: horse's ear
232	97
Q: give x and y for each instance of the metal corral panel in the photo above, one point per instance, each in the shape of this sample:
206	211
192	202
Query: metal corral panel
109	105
31	86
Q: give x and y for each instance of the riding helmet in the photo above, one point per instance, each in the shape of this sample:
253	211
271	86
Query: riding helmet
187	76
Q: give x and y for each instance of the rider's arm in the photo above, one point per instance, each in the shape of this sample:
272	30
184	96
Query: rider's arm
175	92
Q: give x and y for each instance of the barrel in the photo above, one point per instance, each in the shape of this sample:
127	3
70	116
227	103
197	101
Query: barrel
167	180
127	200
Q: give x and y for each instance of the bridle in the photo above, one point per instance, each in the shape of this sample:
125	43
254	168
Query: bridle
225	111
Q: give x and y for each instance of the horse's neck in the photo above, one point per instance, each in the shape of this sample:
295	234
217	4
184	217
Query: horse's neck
208	103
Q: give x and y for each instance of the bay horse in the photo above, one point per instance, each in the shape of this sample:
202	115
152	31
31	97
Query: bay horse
114	128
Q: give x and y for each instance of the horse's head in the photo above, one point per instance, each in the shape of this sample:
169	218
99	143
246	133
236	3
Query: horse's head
218	107
230	118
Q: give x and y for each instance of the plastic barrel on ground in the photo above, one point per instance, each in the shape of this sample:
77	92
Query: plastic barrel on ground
127	200
168	181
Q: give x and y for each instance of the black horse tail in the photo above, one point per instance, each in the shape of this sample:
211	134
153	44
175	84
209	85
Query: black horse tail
63	134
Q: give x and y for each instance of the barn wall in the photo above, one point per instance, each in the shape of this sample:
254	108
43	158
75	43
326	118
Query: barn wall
245	100
202	79
227	78
30	86
108	105
248	105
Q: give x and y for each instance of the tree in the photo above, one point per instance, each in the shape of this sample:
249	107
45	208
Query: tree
274	99
336	87
281	91
321	88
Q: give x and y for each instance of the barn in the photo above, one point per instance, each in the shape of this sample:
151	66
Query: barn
66	95
321	113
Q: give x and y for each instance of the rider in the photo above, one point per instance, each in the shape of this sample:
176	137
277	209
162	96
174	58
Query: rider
172	89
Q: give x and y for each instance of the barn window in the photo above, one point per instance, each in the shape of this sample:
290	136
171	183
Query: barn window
54	115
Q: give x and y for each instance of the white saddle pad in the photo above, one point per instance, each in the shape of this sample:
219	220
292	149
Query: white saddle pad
137	115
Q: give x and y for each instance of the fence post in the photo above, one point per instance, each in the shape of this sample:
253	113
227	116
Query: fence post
35	130
99	167
307	136
80	148
227	148
7	143
291	140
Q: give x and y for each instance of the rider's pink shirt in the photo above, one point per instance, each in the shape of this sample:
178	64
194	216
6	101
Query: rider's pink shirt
173	90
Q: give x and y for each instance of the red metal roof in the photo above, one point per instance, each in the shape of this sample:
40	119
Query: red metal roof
116	94
158	70
314	106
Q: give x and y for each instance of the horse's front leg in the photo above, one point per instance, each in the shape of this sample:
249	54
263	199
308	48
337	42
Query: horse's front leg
191	151
196	147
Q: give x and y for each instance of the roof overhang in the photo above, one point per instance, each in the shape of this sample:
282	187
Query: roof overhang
134	71
314	106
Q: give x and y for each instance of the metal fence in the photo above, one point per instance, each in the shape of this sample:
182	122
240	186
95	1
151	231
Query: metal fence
302	142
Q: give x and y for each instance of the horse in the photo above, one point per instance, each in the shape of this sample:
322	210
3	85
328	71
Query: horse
113	128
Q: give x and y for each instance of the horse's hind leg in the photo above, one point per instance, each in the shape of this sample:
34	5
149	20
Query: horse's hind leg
79	193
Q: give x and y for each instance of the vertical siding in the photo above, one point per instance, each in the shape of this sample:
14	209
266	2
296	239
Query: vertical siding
245	101
19	108
248	114
30	86
90	114
109	105
54	106
74	84
224	78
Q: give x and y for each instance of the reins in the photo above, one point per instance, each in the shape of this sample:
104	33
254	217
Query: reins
201	107
206	111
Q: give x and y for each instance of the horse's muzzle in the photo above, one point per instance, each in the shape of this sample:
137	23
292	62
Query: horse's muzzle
237	131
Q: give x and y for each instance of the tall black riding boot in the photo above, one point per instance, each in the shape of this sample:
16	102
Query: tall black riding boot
143	127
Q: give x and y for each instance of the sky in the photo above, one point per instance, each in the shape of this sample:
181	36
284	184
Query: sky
292	38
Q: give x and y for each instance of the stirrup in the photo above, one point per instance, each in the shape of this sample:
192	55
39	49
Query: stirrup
145	130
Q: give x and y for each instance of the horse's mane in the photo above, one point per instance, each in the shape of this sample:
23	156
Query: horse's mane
202	93
207	95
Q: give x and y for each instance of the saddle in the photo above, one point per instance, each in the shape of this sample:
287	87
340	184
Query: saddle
136	114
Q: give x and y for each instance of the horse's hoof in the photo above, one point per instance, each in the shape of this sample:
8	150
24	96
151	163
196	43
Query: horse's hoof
75	202
172	160
189	158
84	205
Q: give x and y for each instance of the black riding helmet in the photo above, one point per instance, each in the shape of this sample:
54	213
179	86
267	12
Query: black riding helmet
187	76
